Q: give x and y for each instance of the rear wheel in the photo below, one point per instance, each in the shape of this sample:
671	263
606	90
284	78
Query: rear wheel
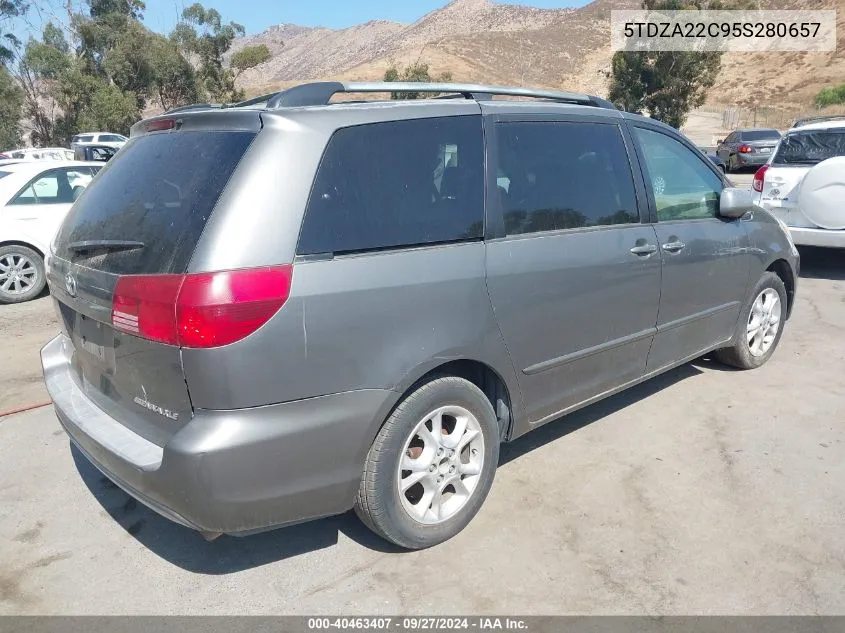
431	465
731	167
21	274
760	327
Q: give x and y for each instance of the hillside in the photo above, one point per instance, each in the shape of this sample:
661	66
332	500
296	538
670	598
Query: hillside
481	41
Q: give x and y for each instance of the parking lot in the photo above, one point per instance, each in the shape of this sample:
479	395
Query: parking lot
704	491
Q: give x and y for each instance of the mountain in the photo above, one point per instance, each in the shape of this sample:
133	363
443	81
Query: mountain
484	42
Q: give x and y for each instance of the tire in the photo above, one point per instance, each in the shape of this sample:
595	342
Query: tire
747	352
410	519
22	275
731	165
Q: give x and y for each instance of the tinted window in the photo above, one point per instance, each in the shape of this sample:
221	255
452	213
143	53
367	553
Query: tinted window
87	138
554	176
397	184
160	190
684	187
110	138
811	147
760	135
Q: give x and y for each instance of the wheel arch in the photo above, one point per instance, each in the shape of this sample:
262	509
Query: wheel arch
782	269
28	244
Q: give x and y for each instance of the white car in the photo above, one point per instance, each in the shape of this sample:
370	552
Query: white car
40	153
803	183
99	138
35	196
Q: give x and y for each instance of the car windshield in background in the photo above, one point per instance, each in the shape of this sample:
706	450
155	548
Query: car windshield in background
159	190
761	135
811	147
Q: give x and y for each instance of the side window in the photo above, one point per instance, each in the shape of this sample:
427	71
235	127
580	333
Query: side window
110	138
558	175
395	184
684	187
733	136
50	187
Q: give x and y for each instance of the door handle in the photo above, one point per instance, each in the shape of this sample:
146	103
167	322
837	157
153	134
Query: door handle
673	247
644	249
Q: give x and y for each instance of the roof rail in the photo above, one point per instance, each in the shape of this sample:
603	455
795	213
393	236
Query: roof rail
320	93
806	120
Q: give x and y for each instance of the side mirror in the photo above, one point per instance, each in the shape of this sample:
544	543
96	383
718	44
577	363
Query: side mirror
735	202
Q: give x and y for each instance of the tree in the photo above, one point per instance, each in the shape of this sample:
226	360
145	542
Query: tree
249	57
11	102
667	84
9	9
832	95
203	34
418	73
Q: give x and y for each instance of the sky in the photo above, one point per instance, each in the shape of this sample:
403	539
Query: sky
257	15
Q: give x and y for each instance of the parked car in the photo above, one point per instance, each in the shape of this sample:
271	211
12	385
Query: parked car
98	153
803	183
41	153
747	148
35	196
714	158
98	138
817	119
367	335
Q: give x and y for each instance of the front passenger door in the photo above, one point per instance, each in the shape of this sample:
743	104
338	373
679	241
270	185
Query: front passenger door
706	260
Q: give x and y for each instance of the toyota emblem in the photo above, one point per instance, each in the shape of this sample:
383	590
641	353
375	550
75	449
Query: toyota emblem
70	284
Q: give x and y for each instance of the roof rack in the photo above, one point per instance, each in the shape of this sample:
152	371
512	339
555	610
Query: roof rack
806	120
321	93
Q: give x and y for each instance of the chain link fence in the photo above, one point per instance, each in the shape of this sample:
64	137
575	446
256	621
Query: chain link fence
780	118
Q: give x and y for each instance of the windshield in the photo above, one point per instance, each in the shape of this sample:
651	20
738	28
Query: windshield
761	135
811	147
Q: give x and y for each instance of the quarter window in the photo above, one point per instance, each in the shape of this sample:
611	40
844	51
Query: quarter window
396	184
558	175
684	187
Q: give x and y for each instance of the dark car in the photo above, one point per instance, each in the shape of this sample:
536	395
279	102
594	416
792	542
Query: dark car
715	160
747	148
282	310
100	153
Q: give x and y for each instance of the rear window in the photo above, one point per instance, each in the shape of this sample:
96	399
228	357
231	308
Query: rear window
159	190
761	135
397	184
811	147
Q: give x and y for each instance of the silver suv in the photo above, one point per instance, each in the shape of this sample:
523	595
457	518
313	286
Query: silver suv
289	308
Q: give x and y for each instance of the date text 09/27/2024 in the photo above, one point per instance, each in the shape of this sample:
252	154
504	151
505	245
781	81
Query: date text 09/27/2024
418	623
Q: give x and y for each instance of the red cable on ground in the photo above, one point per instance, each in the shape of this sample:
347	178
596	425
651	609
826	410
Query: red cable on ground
3	414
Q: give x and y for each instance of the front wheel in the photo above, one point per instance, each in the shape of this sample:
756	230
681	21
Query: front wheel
431	465
22	274
760	327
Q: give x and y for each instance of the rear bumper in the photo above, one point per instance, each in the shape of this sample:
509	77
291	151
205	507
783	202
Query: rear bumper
817	237
744	160
229	471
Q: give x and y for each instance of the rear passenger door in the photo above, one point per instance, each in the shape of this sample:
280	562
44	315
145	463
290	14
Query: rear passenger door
573	275
706	259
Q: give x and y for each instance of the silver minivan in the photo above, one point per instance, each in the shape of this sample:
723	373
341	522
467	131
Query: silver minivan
284	309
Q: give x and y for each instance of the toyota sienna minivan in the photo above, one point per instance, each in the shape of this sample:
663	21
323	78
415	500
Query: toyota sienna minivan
287	308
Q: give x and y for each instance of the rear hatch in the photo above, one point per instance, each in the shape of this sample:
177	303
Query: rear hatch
797	153
142	216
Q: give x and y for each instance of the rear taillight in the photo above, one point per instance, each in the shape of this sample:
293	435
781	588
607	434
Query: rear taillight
744	149
200	309
161	124
759	178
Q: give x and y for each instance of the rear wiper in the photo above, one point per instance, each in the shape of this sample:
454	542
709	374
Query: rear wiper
107	245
